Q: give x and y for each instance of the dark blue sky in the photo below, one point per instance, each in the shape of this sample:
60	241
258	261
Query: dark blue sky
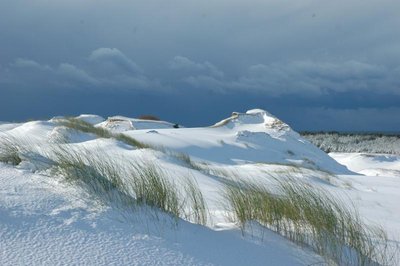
318	65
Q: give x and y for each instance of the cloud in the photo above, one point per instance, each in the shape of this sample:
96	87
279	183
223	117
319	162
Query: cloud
312	78
182	63
303	53
25	63
106	68
72	74
114	60
110	68
29	73
113	68
316	78
360	119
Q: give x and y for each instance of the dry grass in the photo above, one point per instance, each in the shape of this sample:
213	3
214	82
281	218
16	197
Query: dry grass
129	184
131	141
83	126
10	149
311	217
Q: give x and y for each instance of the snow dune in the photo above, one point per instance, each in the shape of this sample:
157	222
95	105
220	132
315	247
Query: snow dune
46	221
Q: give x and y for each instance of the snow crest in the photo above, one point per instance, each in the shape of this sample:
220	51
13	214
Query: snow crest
259	117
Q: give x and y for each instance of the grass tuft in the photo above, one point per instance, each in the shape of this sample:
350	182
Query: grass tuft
78	124
98	176
131	141
129	184
151	188
311	217
84	126
198	210
185	158
10	150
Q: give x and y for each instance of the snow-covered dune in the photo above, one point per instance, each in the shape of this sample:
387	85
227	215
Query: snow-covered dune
47	221
252	137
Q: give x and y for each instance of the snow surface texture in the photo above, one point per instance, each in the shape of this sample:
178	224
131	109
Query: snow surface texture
121	124
370	164
252	137
45	221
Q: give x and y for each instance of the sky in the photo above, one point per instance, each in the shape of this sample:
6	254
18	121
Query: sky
315	64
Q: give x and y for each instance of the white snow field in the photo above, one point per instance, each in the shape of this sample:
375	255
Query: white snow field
45	220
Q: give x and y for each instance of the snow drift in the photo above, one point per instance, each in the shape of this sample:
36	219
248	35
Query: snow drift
39	211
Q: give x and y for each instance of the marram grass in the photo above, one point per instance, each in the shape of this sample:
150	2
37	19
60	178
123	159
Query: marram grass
80	125
137	183
311	217
10	149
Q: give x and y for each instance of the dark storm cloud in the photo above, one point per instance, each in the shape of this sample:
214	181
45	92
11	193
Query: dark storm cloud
113	60
105	68
110	67
360	119
181	63
296	77
333	57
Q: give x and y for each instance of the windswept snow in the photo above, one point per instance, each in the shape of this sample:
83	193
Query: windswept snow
45	221
120	124
370	163
252	137
91	119
376	191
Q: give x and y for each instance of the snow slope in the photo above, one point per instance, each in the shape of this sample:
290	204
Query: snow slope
371	164
45	221
252	137
376	191
121	123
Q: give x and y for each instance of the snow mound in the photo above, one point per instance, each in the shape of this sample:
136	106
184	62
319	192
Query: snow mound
91	119
371	164
119	124
67	135
252	117
252	137
50	220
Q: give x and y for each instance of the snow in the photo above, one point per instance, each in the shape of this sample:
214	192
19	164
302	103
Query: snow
254	137
91	119
45	221
376	191
119	124
370	163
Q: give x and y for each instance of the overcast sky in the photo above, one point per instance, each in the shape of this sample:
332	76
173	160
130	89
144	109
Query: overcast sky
318	65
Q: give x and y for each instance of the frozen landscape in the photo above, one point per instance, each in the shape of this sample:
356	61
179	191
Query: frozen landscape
76	191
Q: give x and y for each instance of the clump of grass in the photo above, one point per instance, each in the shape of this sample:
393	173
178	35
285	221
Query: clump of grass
131	141
310	217
129	185
185	158
151	188
198	211
84	126
10	150
103	177
100	177
100	132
